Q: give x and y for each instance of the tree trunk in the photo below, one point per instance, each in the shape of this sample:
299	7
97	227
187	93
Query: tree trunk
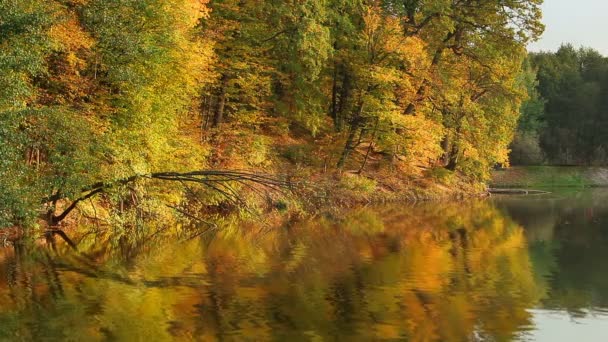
205	103
350	140
452	159
350	145
411	108
445	146
333	112
371	146
218	116
343	101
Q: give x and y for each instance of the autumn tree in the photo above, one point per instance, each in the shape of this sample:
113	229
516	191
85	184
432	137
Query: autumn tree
240	83
95	90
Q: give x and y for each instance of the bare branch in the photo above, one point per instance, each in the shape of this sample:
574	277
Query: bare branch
217	180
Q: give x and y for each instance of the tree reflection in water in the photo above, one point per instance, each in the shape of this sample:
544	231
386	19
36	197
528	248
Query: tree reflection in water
448	272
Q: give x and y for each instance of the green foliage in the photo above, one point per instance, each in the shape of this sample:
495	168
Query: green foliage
572	86
526	150
532	110
298	154
549	176
258	154
74	113
145	56
24	43
442	175
358	184
101	90
302	47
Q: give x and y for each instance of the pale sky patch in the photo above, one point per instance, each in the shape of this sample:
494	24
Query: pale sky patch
579	22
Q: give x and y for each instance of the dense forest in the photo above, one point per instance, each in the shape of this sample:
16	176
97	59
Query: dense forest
565	119
99	96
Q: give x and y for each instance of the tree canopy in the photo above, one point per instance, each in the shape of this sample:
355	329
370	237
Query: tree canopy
98	91
566	113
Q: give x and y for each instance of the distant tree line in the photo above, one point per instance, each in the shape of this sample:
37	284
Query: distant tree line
565	119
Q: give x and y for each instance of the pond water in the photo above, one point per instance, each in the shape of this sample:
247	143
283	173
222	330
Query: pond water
527	268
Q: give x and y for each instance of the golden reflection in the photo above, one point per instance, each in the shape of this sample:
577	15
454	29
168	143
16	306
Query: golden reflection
450	272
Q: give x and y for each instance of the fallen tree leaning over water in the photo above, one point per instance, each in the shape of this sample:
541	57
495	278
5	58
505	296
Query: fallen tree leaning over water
217	180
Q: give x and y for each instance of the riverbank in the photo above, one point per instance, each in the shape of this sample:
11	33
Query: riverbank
550	176
301	195
349	189
327	194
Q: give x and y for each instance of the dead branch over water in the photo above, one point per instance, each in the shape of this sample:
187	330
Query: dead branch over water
218	180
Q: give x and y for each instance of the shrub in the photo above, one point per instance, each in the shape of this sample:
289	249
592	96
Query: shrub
441	175
526	150
358	183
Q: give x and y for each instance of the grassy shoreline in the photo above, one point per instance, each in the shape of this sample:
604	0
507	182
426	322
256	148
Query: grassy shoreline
334	195
550	177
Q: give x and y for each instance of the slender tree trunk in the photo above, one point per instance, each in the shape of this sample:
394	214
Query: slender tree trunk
204	116
350	140
211	103
343	101
333	112
421	92
350	145
371	146
218	116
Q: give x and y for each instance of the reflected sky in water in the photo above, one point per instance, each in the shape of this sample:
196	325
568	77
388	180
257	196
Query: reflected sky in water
567	235
560	326
512	268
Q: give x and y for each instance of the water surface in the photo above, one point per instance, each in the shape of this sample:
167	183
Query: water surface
513	268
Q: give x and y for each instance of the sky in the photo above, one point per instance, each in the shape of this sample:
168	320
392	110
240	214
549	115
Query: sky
580	22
